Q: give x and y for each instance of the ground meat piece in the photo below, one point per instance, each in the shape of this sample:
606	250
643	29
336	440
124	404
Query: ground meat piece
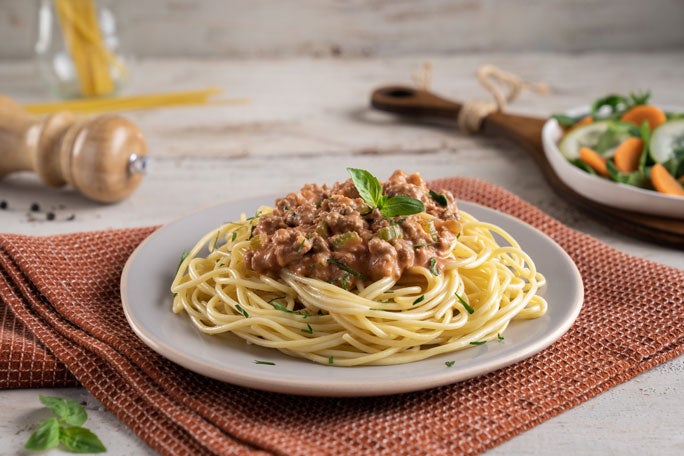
332	234
382	260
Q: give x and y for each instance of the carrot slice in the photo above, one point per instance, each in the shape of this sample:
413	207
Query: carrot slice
663	181
594	159
649	113
627	154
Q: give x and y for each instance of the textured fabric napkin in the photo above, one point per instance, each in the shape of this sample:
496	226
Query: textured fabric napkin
63	324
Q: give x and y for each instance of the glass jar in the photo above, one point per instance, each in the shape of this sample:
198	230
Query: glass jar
78	49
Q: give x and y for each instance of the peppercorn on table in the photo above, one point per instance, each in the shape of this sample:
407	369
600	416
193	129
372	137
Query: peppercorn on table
306	120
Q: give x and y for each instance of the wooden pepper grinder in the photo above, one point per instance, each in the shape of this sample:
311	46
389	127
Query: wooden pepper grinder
102	157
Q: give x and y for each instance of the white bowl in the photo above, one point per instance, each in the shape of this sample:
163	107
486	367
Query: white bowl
602	190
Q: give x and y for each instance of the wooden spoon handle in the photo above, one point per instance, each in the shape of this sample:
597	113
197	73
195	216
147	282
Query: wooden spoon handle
414	102
409	101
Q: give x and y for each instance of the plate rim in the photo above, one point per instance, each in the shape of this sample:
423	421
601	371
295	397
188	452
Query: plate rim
343	388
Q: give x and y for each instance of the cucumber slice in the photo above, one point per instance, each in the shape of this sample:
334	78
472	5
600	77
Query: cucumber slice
666	138
584	136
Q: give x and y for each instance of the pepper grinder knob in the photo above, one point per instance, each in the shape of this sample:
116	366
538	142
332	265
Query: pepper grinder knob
103	157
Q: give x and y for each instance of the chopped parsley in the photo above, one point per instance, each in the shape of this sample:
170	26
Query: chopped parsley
234	236
421	298
439	198
281	307
433	266
343	281
268	363
216	239
308	330
330	359
242	311
344	267
183	257
478	342
499	336
449	363
256	216
465	304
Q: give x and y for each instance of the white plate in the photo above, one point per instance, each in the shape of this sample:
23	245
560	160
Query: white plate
147	304
602	190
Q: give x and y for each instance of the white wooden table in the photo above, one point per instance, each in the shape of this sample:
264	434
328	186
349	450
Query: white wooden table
306	121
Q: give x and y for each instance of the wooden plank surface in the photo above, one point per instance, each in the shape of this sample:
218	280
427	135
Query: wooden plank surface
306	121
362	28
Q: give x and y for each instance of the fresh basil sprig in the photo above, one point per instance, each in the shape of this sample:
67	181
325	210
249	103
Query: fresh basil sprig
370	190
65	428
618	104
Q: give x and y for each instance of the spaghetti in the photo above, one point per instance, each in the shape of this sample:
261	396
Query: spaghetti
463	296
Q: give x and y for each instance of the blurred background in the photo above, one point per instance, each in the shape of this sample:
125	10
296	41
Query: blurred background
369	28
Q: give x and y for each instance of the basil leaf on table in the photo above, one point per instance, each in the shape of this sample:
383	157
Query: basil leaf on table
64	428
45	437
67	409
80	440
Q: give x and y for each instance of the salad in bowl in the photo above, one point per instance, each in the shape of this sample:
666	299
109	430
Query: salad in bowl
627	140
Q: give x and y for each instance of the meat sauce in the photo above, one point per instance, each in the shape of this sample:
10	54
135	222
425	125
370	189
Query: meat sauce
331	234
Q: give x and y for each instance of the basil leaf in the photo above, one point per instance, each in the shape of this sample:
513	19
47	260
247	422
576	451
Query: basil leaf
68	410
45	437
367	185
614	135
566	121
639	98
675	164
439	198
80	440
645	160
616	104
674	115
636	178
583	166
401	205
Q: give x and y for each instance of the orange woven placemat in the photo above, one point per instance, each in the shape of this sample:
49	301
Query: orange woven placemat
62	323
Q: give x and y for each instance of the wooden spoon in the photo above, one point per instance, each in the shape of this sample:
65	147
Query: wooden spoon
526	131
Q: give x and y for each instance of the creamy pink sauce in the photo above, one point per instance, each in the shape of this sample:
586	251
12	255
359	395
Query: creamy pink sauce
331	234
